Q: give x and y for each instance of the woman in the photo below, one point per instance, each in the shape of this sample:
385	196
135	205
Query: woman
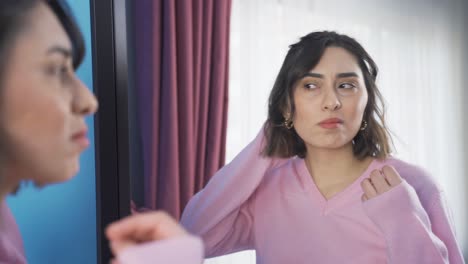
42	109
42	104
318	184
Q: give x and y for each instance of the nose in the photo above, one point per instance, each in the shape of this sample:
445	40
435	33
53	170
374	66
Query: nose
84	102
331	101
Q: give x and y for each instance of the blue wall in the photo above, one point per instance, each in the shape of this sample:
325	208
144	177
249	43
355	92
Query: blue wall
58	223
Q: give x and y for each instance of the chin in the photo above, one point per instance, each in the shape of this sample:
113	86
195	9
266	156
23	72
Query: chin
56	177
332	145
70	173
49	181
70	169
336	143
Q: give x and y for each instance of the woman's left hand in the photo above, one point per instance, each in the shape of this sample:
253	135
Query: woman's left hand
379	182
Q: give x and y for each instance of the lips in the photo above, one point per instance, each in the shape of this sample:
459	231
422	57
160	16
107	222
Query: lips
331	123
81	138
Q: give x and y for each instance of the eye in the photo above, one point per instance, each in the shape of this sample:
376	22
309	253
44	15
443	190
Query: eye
310	86
63	72
56	70
347	86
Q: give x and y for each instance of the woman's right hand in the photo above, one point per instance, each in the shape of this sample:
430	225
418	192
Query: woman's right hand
141	228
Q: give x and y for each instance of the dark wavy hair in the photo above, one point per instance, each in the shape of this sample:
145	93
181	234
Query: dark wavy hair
303	56
15	16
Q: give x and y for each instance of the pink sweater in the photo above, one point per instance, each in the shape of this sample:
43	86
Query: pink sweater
183	250
11	245
274	207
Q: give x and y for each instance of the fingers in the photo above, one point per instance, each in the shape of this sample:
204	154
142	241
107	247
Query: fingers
134	226
380	181
145	227
392	176
128	227
364	198
368	188
140	228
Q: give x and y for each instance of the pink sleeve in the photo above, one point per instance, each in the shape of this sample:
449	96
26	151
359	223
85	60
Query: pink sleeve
11	244
183	250
220	213
413	234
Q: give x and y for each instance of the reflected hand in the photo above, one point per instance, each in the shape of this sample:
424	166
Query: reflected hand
140	228
379	182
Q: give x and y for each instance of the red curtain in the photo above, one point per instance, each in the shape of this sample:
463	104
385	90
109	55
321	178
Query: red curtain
181	60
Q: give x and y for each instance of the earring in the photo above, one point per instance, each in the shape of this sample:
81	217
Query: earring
364	125
288	123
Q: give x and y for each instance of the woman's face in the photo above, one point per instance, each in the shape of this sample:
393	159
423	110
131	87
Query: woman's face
43	104
330	101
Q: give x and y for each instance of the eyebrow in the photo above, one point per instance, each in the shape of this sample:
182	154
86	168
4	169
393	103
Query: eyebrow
339	75
67	53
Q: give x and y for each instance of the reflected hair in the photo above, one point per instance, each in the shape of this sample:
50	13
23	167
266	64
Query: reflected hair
15	16
303	56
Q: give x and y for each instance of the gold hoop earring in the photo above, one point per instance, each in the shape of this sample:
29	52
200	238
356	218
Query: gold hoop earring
364	125
288	123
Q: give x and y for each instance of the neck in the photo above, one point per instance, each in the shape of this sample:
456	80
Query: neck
7	183
331	166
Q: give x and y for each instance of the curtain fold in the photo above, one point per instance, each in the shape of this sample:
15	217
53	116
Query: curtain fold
182	58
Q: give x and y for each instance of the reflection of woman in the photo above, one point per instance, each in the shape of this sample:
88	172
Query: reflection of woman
337	196
42	104
341	198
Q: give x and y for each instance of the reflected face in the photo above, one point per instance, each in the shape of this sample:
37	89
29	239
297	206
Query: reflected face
43	103
330	101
